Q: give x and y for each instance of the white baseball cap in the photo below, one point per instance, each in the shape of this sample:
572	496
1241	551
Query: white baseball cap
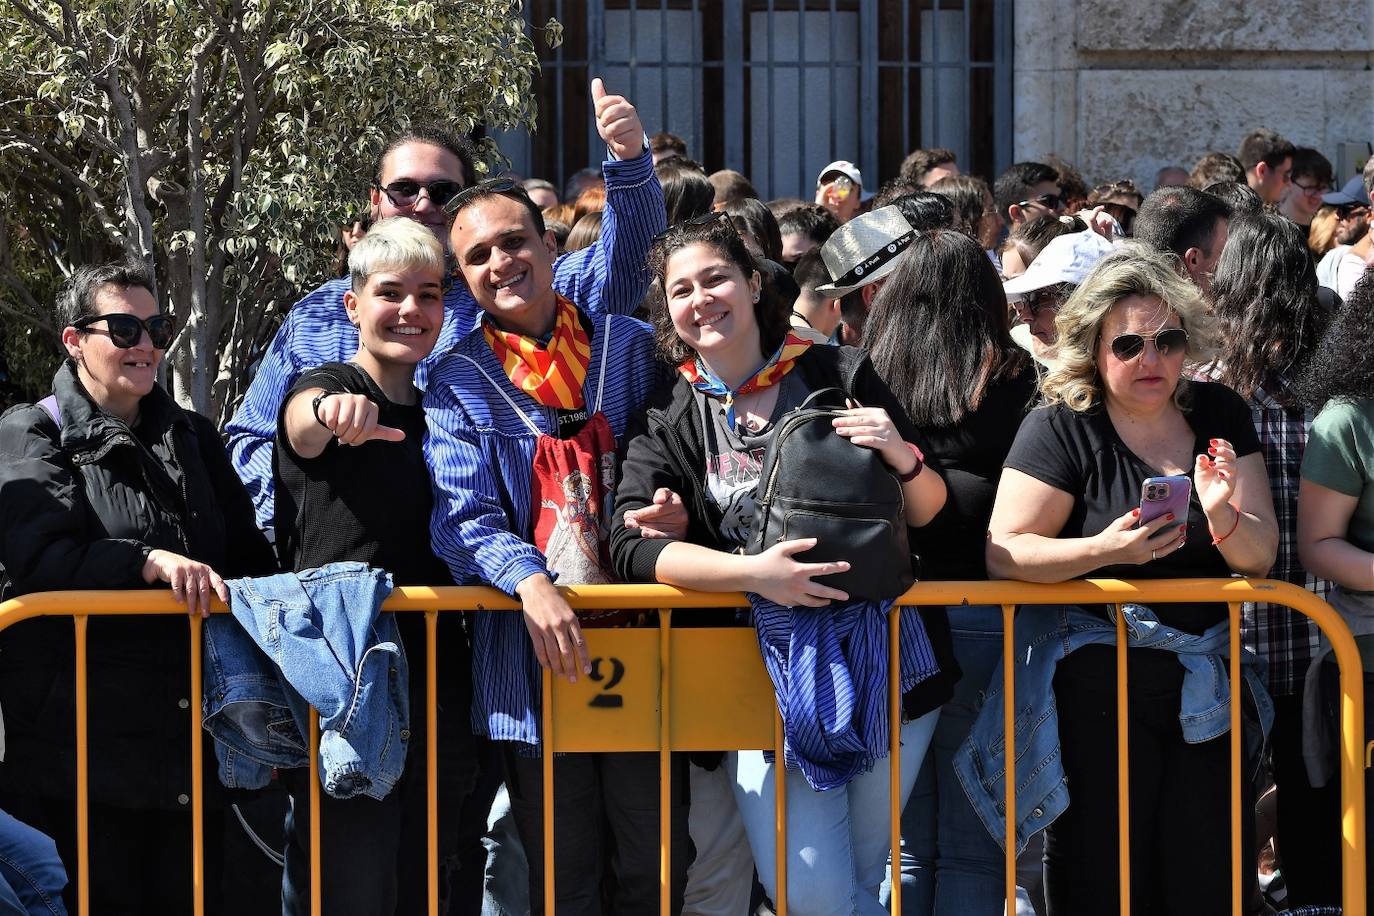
841	167
1066	259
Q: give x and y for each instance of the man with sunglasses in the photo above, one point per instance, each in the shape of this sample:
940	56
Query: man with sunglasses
420	171
1343	265
1027	190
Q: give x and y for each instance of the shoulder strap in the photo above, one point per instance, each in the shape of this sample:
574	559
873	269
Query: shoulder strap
605	348
533	427
53	408
832	392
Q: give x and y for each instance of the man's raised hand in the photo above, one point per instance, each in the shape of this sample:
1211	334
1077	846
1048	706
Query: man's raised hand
617	122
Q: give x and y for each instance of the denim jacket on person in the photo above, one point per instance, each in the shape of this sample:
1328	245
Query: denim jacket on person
313	638
1044	636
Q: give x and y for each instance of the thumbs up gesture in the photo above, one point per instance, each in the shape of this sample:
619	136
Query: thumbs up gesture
617	122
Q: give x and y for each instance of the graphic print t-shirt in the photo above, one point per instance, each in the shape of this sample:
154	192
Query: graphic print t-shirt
734	457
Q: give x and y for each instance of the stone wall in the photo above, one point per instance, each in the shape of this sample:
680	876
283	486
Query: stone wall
1124	88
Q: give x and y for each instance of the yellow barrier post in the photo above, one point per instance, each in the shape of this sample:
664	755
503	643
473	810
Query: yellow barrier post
83	776
546	752
197	775
1123	766
313	772
779	813
432	758
1009	736
1237	811
665	768
894	737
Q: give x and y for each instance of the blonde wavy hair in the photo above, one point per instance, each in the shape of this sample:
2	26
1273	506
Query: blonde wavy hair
1130	270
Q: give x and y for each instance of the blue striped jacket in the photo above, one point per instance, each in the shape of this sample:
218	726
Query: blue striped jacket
607	277
480	449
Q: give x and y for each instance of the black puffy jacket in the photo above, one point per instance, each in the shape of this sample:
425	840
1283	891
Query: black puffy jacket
80	507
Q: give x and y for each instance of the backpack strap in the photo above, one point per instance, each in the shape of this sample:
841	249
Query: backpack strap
833	392
53	408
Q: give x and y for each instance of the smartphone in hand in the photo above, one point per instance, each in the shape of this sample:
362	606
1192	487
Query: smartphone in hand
1161	495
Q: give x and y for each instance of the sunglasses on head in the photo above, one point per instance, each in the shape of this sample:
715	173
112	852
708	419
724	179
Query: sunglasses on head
705	219
482	189
1167	342
405	192
127	330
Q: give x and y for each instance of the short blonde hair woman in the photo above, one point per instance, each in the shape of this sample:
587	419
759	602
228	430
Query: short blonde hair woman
1119	411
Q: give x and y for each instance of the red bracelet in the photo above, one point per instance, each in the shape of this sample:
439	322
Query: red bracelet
920	465
1217	540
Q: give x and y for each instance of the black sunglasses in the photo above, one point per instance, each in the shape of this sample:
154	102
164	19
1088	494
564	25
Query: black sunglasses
1127	347
1049	297
482	189
705	219
127	330
405	191
1048	201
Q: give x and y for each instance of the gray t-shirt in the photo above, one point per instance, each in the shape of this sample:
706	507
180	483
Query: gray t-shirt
734	457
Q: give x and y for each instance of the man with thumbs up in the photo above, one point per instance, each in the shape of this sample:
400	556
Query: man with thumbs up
417	172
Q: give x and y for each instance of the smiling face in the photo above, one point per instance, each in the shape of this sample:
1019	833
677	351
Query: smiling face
1146	382
398	314
711	302
508	266
116	378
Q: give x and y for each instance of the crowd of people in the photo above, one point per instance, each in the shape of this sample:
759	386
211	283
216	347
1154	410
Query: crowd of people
519	386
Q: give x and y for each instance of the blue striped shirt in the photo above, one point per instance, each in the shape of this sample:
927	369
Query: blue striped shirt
480	448
607	277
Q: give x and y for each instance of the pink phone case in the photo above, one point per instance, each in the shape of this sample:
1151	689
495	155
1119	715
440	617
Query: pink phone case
1162	495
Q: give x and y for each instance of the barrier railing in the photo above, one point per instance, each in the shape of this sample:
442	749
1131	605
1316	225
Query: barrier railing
637	700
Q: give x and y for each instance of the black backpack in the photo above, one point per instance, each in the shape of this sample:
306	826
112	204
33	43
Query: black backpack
816	483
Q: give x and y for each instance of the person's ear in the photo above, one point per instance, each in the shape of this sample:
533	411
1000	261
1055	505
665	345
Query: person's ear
351	306
869	293
551	243
755	286
1191	259
1262	172
71	340
1015	214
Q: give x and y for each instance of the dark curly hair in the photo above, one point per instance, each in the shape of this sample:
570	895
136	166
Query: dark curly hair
1343	365
1264	292
771	311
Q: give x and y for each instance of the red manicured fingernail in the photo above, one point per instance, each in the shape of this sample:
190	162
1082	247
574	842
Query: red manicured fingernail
1135	511
1170	518
1211	451
1183	530
1211	441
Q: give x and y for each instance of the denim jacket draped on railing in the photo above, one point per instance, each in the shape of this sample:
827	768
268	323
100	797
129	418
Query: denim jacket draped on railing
1044	636
295	640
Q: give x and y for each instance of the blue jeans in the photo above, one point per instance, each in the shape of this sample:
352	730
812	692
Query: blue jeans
838	840
950	863
31	874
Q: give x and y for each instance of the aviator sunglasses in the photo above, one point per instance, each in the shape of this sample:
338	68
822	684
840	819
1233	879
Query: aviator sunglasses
126	330
462	198
405	192
1127	347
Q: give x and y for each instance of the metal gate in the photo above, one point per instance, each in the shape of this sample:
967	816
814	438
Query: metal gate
778	88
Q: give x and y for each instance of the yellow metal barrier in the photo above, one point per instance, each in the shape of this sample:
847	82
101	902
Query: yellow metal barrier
728	702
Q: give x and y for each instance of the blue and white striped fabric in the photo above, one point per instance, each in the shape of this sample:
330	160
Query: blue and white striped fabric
608	277
829	671
480	449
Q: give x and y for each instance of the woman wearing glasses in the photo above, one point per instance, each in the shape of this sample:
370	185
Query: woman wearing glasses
109	484
1071	503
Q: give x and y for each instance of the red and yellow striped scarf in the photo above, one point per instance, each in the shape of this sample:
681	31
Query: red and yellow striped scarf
552	375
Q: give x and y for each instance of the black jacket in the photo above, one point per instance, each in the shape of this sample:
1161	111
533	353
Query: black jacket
80	508
666	448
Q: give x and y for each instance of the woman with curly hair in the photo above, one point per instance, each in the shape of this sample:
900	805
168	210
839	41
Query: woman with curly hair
1119	412
1265	295
1336	541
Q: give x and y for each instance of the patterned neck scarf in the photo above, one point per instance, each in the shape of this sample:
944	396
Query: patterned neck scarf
770	373
553	374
